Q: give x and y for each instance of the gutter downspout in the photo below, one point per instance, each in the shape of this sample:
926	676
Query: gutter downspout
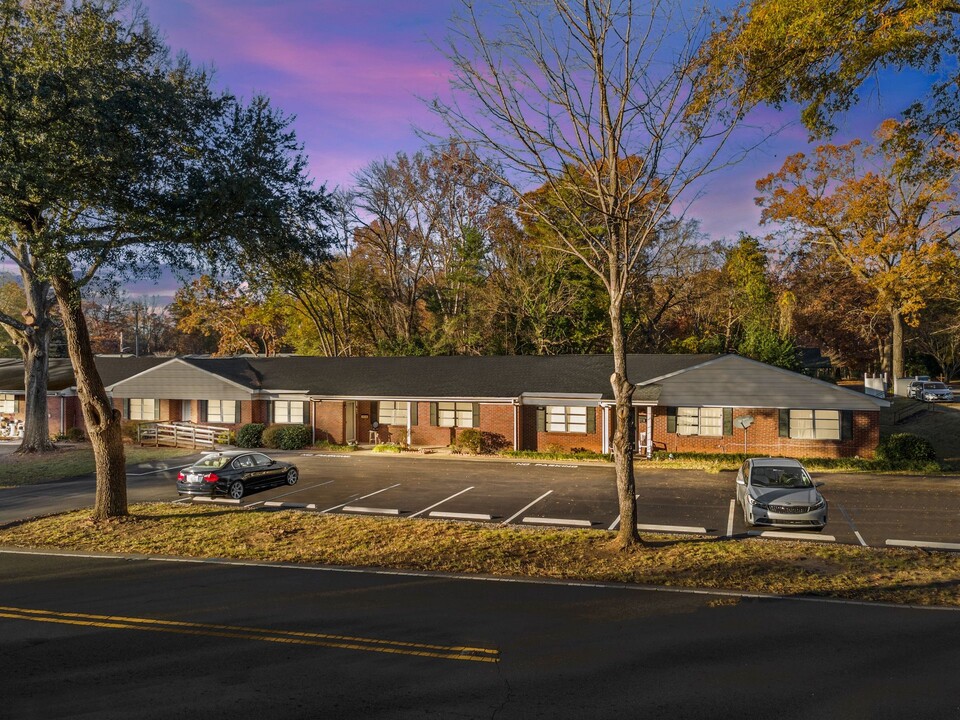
605	429
409	428
63	415
516	424
649	431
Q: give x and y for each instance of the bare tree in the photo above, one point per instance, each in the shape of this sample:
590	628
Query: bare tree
615	108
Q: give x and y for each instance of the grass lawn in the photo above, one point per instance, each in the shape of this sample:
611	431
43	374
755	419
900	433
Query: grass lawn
751	565
70	461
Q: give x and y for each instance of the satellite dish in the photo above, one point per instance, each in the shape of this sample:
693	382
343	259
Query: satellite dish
743	422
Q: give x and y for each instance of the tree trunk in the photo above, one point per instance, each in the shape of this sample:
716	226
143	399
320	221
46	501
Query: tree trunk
36	367
102	420
624	434
896	342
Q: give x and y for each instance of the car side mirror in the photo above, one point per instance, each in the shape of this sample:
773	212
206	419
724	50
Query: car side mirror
819	484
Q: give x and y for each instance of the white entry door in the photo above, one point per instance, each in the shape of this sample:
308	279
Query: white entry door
350	421
186	410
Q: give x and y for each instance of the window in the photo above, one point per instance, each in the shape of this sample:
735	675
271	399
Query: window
815	424
222	411
8	403
700	421
392	412
144	409
287	411
455	414
566	419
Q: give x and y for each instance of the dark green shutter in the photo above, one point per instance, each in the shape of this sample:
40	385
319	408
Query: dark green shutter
846	424
671	419
591	420
784	423
728	421
307	420
126	408
476	415
202	410
374	412
433	414
414	413
541	419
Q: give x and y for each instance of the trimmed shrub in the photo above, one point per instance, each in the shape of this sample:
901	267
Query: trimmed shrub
905	447
129	429
286	437
75	434
293	437
471	441
387	448
250	435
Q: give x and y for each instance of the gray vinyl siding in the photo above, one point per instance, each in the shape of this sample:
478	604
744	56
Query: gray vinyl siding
178	381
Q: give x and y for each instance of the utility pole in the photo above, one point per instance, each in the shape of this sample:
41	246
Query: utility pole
136	330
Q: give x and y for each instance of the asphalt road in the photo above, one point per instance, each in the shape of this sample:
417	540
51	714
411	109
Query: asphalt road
110	638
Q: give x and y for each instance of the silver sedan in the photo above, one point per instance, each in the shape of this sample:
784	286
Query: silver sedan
779	492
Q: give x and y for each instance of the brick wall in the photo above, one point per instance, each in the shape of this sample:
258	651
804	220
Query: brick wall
531	439
763	437
328	418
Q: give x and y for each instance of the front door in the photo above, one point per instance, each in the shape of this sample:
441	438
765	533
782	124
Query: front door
350	421
186	410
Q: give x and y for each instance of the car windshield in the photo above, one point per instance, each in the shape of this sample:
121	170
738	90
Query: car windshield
214	462
934	386
780	477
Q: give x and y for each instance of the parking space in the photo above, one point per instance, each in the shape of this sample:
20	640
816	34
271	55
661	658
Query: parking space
875	511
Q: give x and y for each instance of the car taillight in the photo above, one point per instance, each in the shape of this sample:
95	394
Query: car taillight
211	477
181	476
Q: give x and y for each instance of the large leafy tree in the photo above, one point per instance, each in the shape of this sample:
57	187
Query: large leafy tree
886	211
819	53
117	157
611	106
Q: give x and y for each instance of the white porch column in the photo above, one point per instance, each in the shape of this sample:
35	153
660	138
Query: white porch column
516	427
605	429
649	431
409	433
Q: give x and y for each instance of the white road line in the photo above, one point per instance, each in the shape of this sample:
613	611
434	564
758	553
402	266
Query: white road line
460	516
557	521
615	525
853	527
373	510
924	544
791	536
421	512
673	528
337	507
522	511
860	538
183	499
733	506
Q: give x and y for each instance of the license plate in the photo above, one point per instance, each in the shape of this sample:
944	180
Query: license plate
193	477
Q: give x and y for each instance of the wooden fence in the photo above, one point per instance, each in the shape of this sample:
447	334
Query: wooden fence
182	435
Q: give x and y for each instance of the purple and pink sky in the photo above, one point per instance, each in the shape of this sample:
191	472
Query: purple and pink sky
353	72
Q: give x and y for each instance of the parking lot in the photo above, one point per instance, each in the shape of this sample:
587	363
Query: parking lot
864	510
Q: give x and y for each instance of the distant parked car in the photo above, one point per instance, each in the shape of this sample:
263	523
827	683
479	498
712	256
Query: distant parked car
779	492
913	390
233	473
935	392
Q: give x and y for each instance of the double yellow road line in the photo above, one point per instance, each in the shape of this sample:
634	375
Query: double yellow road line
292	637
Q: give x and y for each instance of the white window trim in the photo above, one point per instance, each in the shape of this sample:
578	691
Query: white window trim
219	415
8	403
455	414
692	423
287	416
142	403
566	419
813	432
397	414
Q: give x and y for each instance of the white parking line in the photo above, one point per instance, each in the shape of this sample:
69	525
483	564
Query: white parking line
853	527
294	492
337	507
224	501
522	511
557	521
733	505
860	538
460	516
421	512
372	510
673	528
790	535
924	544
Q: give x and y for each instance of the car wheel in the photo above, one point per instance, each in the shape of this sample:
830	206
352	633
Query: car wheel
292	476
236	490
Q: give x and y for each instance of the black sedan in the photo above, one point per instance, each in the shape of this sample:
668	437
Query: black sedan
234	472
